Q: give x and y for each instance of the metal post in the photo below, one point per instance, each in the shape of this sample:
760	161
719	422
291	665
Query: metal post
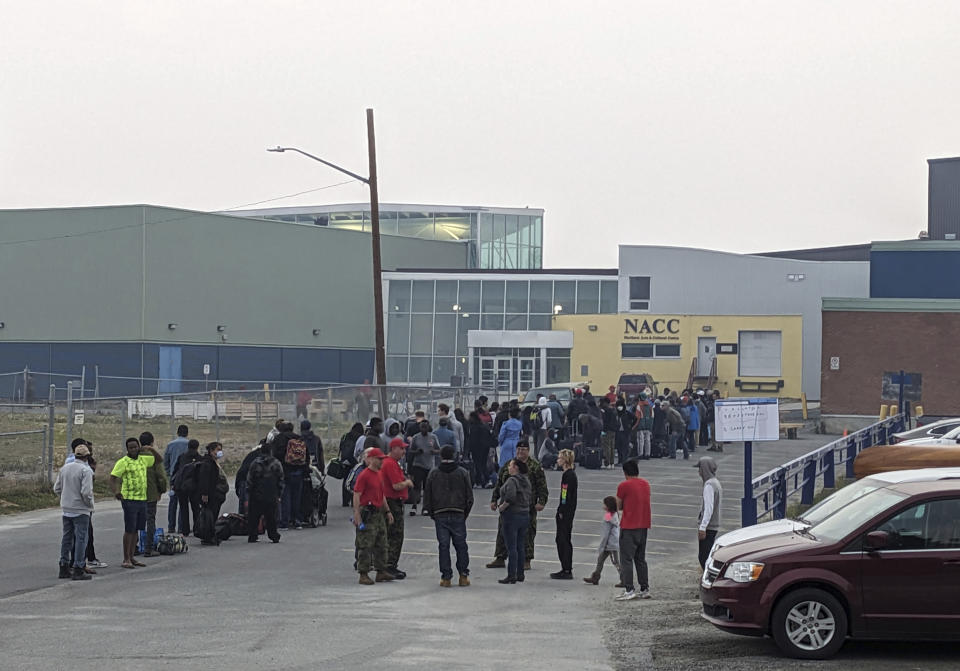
780	508
216	414
829	475
903	381
173	417
748	505
329	413
123	422
809	482
83	384
45	460
51	410
256	400
69	412
851	455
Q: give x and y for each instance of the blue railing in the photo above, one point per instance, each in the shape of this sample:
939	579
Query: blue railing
773	489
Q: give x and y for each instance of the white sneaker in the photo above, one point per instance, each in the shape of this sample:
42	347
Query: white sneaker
644	594
626	596
97	564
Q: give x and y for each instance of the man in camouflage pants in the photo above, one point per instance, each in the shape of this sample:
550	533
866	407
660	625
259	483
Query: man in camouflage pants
395	488
538	481
369	507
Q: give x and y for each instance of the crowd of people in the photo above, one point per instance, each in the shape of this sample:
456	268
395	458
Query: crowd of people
397	466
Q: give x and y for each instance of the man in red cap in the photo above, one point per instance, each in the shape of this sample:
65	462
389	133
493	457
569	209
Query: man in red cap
369	511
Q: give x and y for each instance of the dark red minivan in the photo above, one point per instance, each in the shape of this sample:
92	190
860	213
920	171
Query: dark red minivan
886	565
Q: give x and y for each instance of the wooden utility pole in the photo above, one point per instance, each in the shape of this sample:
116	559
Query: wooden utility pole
380	350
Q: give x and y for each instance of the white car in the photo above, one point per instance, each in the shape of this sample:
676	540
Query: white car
932	430
830	505
949	438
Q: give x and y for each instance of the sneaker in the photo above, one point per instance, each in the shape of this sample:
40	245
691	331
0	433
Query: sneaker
626	596
445	582
645	594
96	563
299	527
413	512
464	581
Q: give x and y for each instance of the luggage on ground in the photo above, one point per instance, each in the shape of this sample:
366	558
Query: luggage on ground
592	458
171	544
205	526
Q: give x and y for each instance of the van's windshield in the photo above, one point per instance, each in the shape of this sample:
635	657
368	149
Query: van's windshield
839	499
855	514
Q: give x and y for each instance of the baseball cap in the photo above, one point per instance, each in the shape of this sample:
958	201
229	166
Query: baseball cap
376	453
397	442
82	451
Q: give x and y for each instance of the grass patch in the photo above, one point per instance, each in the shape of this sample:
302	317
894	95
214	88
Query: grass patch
35	494
795	510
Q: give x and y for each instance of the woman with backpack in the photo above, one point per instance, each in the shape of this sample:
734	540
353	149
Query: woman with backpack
290	450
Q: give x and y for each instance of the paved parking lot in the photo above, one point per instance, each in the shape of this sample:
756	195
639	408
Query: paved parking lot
296	605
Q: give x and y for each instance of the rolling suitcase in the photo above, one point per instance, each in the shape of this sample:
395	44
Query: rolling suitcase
592	458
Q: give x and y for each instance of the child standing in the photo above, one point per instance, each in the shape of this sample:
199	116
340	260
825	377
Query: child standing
610	542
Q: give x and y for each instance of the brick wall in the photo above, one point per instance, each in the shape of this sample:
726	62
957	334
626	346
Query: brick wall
870	343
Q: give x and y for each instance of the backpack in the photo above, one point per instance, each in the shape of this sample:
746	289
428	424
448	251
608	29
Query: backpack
296	454
171	544
353	475
186	478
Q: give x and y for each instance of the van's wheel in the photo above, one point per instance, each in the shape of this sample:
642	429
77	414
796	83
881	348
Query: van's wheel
809	624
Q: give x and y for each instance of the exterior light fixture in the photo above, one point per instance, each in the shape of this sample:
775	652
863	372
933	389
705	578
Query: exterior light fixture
221	328
592	327
707	328
316	332
172	326
456	308
2	325
557	309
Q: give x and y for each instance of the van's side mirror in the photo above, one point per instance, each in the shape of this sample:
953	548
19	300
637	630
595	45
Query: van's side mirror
877	540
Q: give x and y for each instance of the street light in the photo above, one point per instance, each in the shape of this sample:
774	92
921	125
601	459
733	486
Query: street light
371	181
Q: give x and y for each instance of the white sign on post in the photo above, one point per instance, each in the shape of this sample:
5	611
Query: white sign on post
747	419
78	418
206	369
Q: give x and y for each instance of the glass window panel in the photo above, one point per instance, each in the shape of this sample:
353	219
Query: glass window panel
639	288
499	227
608	296
668	351
422	296
416	225
492	295
523	257
351	221
491	322
485	231
452	226
399	295
558	370
588	296
398	333
486	255
564	295
516	323
526	230
538	231
388	222
469	298
541	297
539	323
510	257
464	324
443	369
396	369
517	297
446	296
512	227
419	369
537	257
421	334
636	351
558	353
444	334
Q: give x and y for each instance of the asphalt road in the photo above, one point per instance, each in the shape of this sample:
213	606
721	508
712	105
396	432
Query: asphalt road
297	604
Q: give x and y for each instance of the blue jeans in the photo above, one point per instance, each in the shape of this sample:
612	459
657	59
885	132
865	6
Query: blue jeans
74	540
290	504
515	537
674	439
452	526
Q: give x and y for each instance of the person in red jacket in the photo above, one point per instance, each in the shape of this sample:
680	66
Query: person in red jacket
395	487
369	509
633	501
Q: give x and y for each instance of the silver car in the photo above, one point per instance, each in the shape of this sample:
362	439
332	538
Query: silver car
927	431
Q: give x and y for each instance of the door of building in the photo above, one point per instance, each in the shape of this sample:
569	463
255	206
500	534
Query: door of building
497	372
706	353
171	370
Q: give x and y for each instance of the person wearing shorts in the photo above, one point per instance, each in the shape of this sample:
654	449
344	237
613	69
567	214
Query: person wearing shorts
128	482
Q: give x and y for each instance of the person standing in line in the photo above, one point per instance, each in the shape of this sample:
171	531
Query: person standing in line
565	512
93	562
423	446
175	448
538	501
264	490
715	446
454	425
448	495
692	415
644	424
212	488
128	482
290	450
624	425
709	519
608	434
395	487
347	444
185	485
633	502
509	434
314	445
156	486
445	436
609	541
75	486
369	506
514	507
556	415
479	441
677	427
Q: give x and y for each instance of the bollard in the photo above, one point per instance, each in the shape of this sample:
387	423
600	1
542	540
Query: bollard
69	412
851	454
883	412
809	482
918	411
829	477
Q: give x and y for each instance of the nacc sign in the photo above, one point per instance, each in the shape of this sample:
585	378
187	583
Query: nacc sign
651	326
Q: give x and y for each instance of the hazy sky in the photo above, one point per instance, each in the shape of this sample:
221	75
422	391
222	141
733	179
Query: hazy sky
743	126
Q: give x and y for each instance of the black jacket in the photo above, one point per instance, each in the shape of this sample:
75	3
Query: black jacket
448	490
314	447
347	444
208	473
265	479
280	453
245	468
479	440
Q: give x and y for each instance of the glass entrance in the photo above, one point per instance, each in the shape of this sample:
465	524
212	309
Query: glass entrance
496	372
526	375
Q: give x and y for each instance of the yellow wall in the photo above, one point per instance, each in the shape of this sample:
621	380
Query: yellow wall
600	349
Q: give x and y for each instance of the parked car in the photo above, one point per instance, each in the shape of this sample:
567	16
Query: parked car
932	430
563	392
882	566
632	384
951	437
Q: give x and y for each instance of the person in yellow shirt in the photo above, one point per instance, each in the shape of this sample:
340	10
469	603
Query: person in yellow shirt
128	482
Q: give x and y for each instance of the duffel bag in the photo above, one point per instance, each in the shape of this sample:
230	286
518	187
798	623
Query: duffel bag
171	544
338	469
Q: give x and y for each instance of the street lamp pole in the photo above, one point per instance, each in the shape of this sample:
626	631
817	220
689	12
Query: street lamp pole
380	356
